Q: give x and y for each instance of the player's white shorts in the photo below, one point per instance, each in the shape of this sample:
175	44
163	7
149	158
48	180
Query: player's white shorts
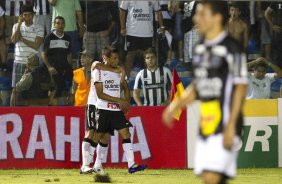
212	156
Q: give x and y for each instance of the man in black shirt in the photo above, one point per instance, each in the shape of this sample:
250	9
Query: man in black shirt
220	84
57	57
273	15
100	19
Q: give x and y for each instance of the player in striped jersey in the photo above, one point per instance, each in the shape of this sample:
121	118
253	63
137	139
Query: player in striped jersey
155	82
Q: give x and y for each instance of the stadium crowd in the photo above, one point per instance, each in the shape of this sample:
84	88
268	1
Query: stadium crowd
47	47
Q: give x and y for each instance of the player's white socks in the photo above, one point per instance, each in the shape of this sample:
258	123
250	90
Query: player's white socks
101	152
85	153
88	149
127	148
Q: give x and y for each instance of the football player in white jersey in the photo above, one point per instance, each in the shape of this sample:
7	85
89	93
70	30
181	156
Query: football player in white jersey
109	113
87	143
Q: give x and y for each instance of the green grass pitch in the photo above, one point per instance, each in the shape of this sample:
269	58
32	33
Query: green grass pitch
120	176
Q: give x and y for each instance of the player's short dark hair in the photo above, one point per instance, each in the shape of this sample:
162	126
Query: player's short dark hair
108	51
59	18
220	7
261	65
26	8
234	5
150	51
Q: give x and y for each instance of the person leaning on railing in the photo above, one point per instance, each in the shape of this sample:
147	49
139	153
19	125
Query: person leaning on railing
259	80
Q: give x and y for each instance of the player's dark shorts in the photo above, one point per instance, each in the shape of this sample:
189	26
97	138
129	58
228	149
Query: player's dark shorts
107	120
138	43
90	117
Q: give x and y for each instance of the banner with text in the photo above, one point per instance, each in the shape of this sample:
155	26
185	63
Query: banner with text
50	137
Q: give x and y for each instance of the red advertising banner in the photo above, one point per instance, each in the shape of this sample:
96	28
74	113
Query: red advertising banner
50	137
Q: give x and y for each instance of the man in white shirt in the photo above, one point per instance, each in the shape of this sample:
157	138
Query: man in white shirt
27	38
259	80
138	27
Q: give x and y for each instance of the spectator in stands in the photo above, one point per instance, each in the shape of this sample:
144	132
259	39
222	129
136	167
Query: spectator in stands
100	18
70	10
237	28
273	15
265	33
42	14
34	84
190	40
5	88
3	48
57	57
27	38
259	80
12	12
82	78
154	81
176	10
138	27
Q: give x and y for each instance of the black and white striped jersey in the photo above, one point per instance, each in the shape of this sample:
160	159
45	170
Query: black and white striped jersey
13	7
218	66
41	7
155	85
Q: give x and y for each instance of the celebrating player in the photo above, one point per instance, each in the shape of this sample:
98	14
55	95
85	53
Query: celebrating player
88	146
109	115
220	84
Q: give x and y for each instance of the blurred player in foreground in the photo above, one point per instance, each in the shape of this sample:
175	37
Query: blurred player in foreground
220	84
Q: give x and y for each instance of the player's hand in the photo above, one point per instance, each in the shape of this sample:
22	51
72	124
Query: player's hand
228	136
20	19
168	118
124	104
123	32
260	59
81	32
52	71
276	28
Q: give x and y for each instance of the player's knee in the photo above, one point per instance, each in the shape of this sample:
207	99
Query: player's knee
211	178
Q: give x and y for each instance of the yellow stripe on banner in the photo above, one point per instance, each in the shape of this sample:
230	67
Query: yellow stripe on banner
260	107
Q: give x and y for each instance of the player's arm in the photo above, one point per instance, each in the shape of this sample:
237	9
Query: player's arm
126	90
136	97
240	72
245	36
35	45
268	16
98	65
237	104
187	97
125	87
17	31
276	69
122	18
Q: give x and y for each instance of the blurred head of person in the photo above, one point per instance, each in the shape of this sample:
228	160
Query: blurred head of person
32	62
211	16
86	58
59	24
260	70
150	56
234	10
27	14
110	56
